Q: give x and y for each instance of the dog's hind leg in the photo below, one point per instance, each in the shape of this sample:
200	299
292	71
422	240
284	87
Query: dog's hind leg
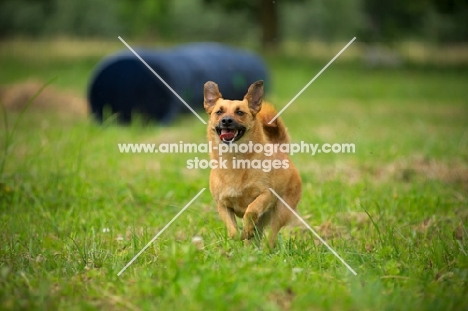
262	222
229	218
278	221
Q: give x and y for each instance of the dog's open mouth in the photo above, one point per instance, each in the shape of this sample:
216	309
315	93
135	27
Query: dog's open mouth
229	135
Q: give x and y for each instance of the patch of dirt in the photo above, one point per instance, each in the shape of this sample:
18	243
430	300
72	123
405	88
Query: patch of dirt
326	231
15	97
359	219
458	233
403	170
416	167
425	225
283	299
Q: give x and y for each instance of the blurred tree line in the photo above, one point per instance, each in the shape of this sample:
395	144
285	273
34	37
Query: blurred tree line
265	21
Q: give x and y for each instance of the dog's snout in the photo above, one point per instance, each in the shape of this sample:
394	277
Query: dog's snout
227	121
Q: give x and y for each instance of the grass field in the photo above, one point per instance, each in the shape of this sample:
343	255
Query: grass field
74	211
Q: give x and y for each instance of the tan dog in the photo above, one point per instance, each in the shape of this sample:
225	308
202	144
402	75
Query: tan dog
241	189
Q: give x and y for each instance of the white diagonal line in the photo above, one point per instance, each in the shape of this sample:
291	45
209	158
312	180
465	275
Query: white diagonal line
160	232
312	230
162	80
310	82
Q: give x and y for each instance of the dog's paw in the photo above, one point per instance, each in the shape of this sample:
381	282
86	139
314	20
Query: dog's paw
249	221
247	243
232	233
247	234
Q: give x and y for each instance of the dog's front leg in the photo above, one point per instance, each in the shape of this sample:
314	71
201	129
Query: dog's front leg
229	218
254	211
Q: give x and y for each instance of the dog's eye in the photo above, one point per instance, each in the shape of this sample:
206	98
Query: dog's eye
239	113
219	112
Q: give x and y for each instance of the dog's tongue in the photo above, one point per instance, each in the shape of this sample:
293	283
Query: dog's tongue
227	134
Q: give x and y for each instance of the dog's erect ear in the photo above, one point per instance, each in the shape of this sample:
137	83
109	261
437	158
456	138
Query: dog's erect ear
211	95
254	96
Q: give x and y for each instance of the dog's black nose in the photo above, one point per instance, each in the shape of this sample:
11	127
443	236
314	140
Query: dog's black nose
227	120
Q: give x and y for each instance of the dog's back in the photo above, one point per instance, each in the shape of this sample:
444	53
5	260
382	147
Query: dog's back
276	132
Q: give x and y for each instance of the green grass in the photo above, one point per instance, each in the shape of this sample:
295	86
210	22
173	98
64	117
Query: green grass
74	211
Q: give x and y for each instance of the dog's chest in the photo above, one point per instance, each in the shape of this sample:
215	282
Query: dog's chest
236	189
238	200
236	193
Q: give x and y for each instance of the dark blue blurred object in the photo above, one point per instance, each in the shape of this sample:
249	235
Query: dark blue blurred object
124	83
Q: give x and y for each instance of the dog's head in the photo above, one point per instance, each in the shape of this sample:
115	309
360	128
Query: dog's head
230	120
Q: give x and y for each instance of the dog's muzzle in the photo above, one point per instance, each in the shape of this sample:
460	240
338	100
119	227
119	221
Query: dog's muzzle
229	130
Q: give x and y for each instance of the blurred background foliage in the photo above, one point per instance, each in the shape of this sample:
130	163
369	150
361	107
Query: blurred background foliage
264	21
